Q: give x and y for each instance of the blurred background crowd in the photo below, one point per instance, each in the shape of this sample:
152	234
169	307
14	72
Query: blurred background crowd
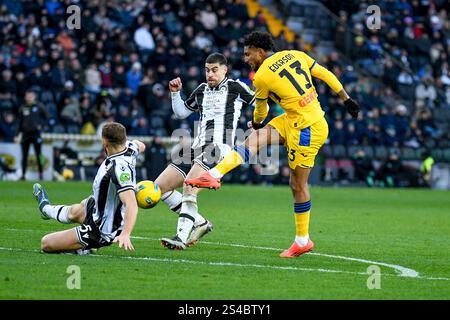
118	64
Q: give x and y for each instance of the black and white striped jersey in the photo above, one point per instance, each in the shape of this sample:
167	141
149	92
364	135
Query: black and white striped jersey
220	109
116	174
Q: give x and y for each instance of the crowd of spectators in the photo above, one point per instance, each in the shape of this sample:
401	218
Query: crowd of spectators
118	64
410	54
409	50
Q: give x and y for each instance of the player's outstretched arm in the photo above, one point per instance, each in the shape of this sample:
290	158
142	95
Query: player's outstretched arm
332	81
128	198
261	107
259	115
351	105
178	105
140	145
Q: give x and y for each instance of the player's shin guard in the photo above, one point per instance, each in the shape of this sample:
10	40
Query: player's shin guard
187	216
59	213
302	213
174	200
235	158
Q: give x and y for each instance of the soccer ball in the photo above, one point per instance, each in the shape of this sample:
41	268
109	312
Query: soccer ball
147	194
68	174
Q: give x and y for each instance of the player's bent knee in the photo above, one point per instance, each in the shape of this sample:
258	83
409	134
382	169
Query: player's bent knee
76	213
162	186
46	244
72	214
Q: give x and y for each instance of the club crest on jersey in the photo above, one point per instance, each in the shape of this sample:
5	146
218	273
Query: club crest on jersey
124	177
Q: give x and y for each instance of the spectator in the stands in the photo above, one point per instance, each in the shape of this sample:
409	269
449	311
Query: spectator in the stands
364	168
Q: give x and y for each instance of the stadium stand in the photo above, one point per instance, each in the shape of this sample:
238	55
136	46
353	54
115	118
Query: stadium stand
118	64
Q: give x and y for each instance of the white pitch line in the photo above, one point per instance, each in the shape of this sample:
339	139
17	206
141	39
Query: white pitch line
404	272
210	263
230	264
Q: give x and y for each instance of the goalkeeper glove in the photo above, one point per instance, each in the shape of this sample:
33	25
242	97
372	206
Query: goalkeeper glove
352	107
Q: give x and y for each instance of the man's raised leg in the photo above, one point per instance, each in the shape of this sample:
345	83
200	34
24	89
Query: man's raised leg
61	213
168	181
189	217
239	155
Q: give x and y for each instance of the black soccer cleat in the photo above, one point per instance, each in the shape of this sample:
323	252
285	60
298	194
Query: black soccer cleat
174	243
42	198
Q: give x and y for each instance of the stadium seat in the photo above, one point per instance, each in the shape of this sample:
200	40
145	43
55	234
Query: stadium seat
446	155
339	151
409	153
380	152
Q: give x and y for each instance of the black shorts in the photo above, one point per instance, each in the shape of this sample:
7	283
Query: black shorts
88	233
207	157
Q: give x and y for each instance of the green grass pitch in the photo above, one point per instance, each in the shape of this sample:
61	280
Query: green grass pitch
352	229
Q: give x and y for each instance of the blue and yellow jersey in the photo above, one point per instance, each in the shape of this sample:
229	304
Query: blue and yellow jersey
286	78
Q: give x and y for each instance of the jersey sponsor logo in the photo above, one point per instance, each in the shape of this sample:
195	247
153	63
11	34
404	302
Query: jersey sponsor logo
124	177
279	63
310	97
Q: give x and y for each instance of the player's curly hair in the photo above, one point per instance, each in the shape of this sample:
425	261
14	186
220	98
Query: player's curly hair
259	39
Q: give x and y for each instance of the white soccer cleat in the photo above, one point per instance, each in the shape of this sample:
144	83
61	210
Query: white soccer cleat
198	232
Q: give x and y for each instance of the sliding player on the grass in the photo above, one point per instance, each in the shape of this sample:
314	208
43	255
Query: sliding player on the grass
219	102
109	214
285	77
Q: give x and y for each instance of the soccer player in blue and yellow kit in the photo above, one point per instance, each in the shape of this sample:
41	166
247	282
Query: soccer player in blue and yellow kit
285	77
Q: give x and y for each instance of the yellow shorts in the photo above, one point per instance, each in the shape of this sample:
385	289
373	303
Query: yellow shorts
302	144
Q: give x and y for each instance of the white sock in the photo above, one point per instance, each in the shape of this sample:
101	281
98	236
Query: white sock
215	173
188	216
302	241
174	200
59	213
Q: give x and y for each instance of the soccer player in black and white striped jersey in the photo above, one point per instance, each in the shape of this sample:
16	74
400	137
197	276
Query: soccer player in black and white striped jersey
219	102
109	215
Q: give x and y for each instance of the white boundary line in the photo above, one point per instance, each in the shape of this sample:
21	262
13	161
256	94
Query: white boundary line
403	271
228	264
210	263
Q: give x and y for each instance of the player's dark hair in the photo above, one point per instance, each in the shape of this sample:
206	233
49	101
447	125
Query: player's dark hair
217	58
259	39
115	133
